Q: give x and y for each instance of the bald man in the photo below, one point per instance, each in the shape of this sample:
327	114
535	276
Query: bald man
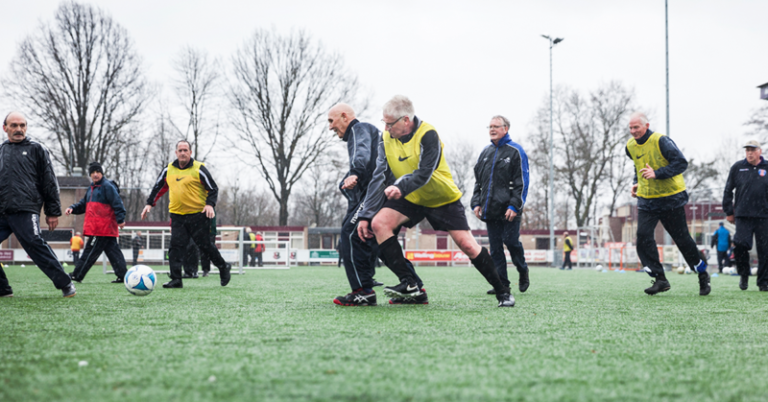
661	197
359	257
27	185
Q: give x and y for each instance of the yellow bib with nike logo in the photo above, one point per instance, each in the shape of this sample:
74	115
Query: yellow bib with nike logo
403	159
650	153
187	195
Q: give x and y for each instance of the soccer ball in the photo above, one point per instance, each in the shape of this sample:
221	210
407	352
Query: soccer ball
753	271
680	270
598	267
140	280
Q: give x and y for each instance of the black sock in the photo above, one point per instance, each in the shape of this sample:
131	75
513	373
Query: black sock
484	263
661	277
392	255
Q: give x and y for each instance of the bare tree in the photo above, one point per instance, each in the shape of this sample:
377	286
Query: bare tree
700	174
240	206
758	124
80	77
283	87
462	157
589	134
195	87
319	202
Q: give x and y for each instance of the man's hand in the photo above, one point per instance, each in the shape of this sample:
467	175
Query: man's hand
633	192
730	218
363	231
510	215
648	172
146	210
477	212
52	222
393	193
209	212
121	225
68	211
350	182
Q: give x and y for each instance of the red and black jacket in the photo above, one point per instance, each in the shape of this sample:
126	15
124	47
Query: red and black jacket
103	209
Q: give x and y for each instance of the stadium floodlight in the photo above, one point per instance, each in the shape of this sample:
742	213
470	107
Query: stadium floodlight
552	43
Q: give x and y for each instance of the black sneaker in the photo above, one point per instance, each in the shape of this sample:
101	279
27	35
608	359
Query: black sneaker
72	276
188	276
658	286
764	288
118	280
69	290
205	273
420	299
356	298
226	274
523	282
491	292
377	283
744	282
506	300
402	290
174	284
704	287
6	293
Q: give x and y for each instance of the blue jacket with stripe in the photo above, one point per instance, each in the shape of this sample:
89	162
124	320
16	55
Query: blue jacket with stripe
501	179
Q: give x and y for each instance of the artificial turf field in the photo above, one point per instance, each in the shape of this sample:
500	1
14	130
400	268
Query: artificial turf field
276	335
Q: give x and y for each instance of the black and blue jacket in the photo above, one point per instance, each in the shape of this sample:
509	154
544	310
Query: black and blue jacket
501	179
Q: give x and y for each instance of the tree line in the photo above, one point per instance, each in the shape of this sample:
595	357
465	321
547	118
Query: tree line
81	79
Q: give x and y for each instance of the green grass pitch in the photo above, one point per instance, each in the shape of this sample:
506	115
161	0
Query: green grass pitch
276	335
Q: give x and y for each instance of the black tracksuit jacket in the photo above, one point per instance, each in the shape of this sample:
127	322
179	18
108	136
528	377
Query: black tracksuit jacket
751	185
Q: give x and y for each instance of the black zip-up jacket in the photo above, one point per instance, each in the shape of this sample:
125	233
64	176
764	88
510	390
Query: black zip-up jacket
27	180
751	185
362	145
501	179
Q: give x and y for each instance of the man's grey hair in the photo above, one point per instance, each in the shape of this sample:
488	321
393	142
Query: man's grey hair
503	119
184	141
399	106
640	115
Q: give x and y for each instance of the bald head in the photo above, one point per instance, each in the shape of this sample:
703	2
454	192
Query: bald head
15	125
638	124
339	118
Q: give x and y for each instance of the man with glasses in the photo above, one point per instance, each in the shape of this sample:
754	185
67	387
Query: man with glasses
501	187
749	179
412	181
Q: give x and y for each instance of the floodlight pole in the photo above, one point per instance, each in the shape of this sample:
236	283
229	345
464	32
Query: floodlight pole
666	43
552	43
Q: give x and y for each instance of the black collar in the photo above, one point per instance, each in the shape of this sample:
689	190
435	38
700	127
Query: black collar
416	123
645	137
191	162
349	129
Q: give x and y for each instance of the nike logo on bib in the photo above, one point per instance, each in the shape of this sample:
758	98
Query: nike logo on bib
639	156
179	178
400	158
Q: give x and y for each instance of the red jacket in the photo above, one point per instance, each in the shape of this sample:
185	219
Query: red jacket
103	209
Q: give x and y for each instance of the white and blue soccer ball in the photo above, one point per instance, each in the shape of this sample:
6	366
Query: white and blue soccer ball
140	280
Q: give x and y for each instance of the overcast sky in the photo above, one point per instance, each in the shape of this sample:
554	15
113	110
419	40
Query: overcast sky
462	62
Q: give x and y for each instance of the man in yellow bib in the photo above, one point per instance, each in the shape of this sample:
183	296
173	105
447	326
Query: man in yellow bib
193	194
412	181
661	197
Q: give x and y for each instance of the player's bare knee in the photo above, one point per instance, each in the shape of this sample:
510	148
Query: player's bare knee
380	227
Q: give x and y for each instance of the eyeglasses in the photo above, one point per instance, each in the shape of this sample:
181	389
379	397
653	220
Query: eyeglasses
495	127
390	125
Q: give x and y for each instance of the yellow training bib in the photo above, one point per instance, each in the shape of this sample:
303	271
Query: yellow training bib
650	153
403	159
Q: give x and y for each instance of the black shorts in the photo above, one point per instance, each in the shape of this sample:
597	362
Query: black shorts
448	217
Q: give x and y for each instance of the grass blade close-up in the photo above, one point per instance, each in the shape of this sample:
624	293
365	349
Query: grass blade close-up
274	335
